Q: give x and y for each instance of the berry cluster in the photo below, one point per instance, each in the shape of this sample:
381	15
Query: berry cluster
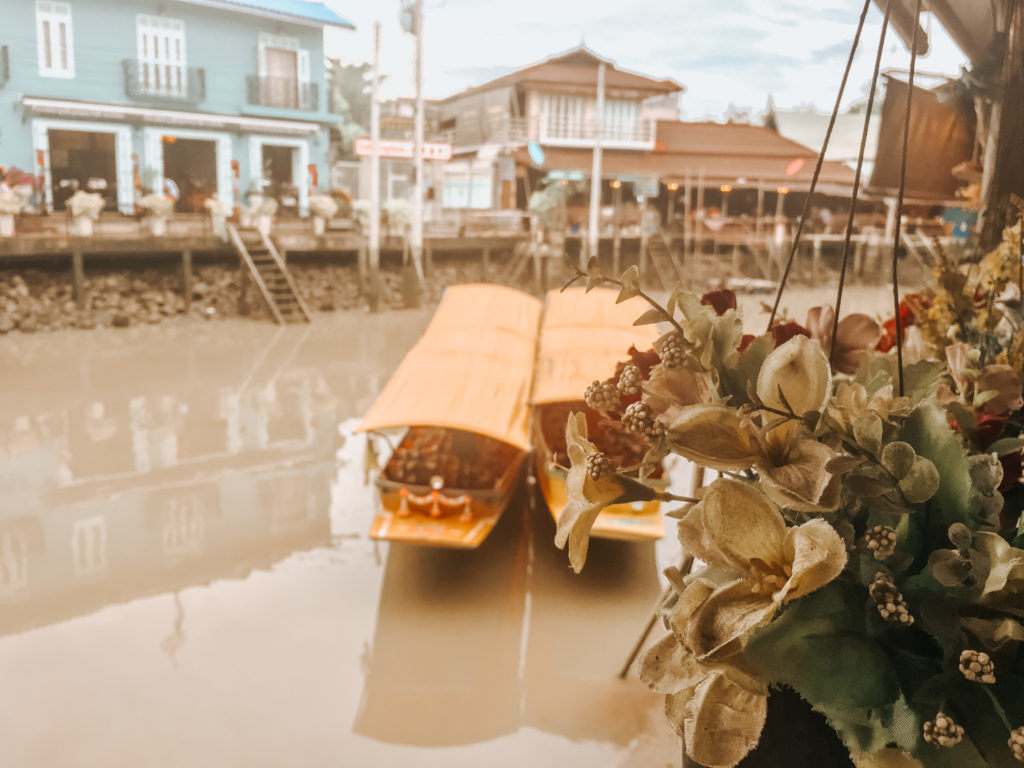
889	601
672	350
977	667
639	419
881	539
602	396
944	731
1016	742
629	380
599	465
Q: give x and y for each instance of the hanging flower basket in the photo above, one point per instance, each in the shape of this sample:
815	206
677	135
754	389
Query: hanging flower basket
323	208
158	209
219	212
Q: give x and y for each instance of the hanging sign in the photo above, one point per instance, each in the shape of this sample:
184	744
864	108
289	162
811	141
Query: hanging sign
402	150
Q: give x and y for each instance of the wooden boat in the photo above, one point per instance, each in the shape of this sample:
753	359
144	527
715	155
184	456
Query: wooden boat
462	396
583	337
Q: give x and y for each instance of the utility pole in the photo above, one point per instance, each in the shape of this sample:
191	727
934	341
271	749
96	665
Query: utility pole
417	149
374	256
594	234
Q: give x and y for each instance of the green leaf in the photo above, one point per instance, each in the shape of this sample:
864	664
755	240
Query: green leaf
740	380
921	482
1006	446
868	485
840	465
819	647
867	431
932	438
922	380
650	317
898	458
630	284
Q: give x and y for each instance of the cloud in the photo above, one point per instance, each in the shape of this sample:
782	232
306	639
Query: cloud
737	52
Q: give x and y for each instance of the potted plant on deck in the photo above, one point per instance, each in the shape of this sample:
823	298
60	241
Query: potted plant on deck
158	209
219	210
85	209
11	204
323	208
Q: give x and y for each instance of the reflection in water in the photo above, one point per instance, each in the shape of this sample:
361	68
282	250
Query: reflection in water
185	572
444	661
214	460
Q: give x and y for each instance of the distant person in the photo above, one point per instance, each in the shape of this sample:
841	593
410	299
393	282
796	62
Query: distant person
826	219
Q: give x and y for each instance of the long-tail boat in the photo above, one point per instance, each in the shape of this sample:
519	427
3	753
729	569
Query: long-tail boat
586	336
461	396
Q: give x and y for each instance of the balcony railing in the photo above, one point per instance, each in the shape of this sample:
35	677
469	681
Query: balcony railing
5	66
637	134
151	81
282	93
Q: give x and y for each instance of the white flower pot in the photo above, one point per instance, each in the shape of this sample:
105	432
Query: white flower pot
158	225
319	225
6	225
83	226
220	225
263	224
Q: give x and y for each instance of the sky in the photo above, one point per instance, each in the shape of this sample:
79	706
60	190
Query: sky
727	52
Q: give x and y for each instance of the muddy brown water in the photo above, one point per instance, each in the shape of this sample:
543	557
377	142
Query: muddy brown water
186	580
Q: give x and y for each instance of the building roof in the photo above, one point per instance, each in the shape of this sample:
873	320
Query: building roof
577	67
720	153
295	11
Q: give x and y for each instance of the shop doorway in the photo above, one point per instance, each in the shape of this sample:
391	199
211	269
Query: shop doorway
192	165
279	165
83	160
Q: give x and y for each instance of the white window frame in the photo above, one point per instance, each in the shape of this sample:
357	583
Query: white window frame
149	30
302	58
300	164
124	148
54	14
153	156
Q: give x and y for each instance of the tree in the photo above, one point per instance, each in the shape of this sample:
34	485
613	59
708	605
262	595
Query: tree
349	91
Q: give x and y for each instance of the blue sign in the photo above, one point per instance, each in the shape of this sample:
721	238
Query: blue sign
536	152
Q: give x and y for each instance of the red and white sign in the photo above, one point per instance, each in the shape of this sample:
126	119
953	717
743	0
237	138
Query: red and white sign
402	149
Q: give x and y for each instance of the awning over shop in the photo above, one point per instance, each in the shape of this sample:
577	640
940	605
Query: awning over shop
472	370
150	116
941	137
583	336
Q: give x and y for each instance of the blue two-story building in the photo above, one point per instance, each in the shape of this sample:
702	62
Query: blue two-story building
220	96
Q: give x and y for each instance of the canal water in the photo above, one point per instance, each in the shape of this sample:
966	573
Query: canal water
186	579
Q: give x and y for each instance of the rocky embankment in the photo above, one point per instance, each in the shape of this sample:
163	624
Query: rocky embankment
37	300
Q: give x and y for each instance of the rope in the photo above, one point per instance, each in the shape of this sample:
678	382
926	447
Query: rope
856	178
899	204
817	169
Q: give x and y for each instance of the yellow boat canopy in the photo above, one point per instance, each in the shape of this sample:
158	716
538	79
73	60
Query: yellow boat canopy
472	370
582	338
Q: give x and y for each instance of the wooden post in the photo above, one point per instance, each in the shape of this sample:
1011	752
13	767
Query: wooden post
617	236
687	224
284	255
487	260
816	261
186	275
642	262
78	277
428	258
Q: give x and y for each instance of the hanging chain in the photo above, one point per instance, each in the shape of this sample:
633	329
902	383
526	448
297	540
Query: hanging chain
857	177
817	169
899	203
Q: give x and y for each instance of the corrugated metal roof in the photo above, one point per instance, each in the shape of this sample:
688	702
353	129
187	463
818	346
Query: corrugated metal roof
296	9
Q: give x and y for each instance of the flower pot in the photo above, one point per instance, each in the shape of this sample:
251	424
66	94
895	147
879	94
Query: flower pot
319	225
158	225
263	224
83	226
6	225
794	736
220	225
